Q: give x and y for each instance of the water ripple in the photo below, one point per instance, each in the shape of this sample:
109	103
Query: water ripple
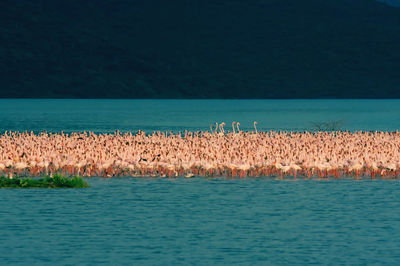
198	221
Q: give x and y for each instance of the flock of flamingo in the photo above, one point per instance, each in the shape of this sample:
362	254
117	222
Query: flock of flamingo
217	152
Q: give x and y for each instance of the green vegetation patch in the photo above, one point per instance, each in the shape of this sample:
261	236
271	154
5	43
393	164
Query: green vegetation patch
57	181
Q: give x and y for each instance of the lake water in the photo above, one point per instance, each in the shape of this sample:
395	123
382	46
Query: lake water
178	115
200	221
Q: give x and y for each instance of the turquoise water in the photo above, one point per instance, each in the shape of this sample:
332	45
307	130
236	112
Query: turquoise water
199	221
176	115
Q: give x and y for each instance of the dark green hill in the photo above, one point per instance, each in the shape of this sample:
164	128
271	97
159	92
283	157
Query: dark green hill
199	49
395	3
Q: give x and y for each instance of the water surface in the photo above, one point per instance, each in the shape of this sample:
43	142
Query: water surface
179	115
202	221
122	221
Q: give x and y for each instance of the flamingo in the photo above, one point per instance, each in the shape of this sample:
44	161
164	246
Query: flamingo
356	167
209	168
232	167
296	168
243	169
189	175
279	167
392	168
221	127
20	166
171	170
286	169
374	169
88	154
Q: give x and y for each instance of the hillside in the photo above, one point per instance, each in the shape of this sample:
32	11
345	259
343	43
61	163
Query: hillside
199	49
395	3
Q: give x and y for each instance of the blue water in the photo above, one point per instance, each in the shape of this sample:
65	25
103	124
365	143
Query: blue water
178	115
124	221
200	221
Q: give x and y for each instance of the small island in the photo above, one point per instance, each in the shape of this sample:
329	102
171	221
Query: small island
56	181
